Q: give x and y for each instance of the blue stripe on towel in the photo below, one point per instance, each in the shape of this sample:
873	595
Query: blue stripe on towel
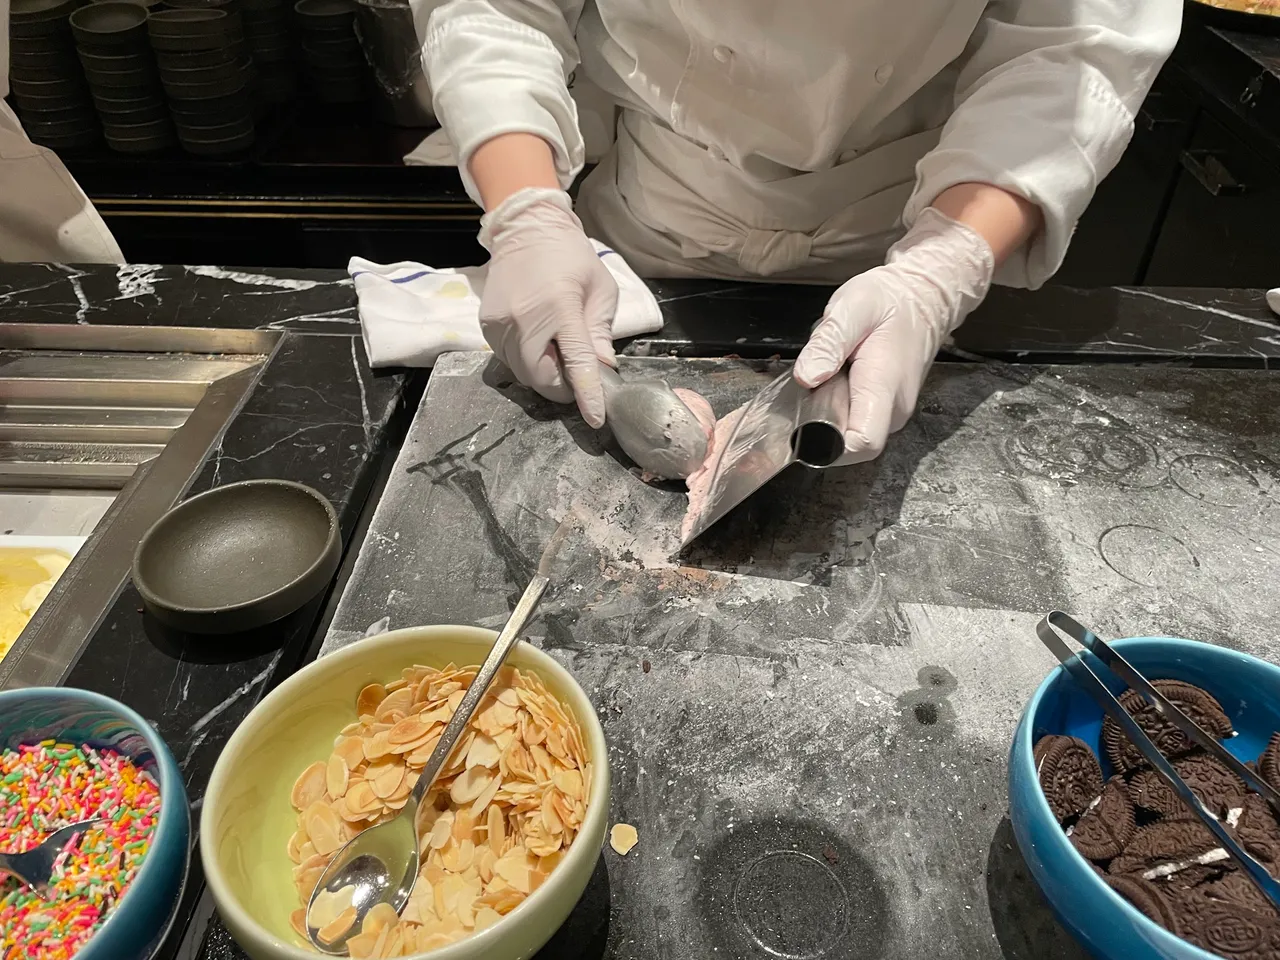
409	279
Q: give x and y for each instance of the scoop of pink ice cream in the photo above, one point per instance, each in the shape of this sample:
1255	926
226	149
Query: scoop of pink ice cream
699	481
700	409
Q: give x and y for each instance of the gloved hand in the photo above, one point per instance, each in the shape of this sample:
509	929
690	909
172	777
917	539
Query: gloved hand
891	320
548	302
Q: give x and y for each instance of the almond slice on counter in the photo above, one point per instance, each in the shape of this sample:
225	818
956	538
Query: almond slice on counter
623	838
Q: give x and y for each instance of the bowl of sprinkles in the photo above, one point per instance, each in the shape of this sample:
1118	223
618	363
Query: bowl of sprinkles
69	755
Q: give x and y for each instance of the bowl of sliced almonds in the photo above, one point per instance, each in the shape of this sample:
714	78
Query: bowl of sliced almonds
512	828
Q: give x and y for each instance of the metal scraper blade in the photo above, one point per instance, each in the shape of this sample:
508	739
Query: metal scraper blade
783	424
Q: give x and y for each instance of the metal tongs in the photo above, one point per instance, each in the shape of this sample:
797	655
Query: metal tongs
1083	674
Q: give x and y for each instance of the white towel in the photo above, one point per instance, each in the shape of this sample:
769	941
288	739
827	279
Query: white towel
410	313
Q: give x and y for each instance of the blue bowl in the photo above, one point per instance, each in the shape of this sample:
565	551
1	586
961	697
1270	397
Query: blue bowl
1102	920
144	914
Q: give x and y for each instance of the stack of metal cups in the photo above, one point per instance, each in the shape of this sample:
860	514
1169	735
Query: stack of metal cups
273	46
335	65
111	38
44	78
207	76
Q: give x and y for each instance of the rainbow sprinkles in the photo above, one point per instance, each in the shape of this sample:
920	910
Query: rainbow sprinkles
49	785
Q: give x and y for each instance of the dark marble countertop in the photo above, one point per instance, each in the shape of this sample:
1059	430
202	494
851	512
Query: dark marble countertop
320	416
702	318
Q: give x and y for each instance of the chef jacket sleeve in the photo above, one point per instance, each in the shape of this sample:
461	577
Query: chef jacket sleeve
502	66
1045	102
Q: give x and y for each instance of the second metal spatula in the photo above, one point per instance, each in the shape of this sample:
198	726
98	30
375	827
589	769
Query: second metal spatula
784	423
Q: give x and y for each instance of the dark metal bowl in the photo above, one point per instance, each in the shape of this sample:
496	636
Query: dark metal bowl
112	24
238	557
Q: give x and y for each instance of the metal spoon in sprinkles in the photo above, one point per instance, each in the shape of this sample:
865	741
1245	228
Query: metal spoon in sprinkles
380	864
34	867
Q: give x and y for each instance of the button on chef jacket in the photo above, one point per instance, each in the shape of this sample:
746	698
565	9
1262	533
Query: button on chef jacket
796	140
44	215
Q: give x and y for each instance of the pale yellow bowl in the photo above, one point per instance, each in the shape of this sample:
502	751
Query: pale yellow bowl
247	816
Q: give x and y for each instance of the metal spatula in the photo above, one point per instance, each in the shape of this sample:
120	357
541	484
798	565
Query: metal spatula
784	423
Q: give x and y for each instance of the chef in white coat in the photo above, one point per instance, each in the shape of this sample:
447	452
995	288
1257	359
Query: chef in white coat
911	151
44	215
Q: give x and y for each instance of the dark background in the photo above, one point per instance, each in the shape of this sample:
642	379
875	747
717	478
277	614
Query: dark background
1193	202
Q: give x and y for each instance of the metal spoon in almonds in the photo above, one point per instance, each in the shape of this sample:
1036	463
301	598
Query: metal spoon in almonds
380	864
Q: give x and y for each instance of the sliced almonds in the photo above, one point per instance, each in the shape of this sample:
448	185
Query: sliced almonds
309	787
506	806
623	838
368	699
338	926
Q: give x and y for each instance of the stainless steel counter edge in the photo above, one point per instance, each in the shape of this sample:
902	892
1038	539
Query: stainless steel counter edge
65	622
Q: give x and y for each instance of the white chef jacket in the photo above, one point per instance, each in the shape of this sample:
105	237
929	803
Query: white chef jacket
796	140
44	215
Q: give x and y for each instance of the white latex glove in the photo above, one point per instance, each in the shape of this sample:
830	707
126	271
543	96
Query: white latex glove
890	322
548	302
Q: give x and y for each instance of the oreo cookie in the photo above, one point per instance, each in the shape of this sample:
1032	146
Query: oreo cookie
1269	762
1197	704
1149	899
1232	931
1069	773
1209	780
1256	827
1235	887
1107	824
1163	849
